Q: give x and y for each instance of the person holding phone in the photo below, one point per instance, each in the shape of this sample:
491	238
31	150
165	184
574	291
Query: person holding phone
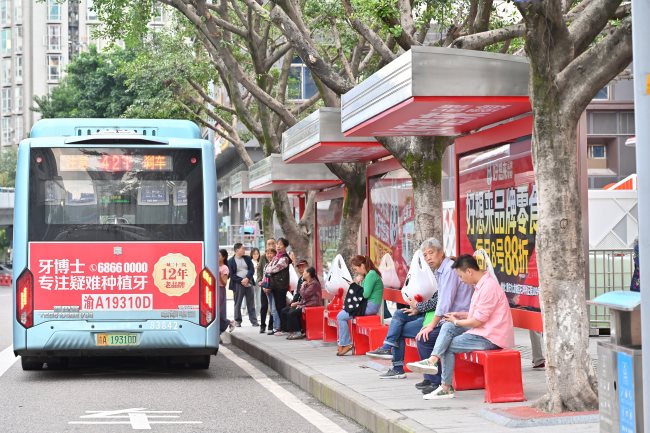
486	326
406	323
369	278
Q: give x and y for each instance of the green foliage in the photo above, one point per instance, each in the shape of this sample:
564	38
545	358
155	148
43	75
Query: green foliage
92	87
8	166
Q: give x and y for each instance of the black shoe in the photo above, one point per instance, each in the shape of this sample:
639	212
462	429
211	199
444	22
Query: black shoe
255	325
239	324
423	384
380	353
262	329
271	332
429	389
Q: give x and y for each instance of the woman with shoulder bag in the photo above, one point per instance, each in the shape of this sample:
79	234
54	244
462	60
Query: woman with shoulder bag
310	296
373	292
277	272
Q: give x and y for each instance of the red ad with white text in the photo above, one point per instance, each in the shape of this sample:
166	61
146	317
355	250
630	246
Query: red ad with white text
116	276
498	213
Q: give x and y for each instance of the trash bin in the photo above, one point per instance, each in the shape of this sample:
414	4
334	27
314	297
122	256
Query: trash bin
620	384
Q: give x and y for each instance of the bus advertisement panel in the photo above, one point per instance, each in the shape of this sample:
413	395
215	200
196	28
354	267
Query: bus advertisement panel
112	276
498	213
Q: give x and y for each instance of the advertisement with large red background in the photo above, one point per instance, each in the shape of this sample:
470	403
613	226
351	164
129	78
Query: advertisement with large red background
116	276
391	222
498	212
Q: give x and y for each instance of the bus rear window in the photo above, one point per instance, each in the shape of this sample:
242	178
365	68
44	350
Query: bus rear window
98	194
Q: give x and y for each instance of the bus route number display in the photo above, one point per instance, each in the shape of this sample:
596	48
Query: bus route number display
115	163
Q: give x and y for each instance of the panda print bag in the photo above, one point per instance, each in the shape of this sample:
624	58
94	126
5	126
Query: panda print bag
355	303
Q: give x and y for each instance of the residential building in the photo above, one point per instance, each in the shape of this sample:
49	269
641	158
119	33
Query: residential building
37	41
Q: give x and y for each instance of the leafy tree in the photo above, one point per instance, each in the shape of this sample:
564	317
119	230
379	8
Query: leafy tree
93	87
8	167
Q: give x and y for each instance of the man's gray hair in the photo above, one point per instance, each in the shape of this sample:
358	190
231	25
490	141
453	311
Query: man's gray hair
431	243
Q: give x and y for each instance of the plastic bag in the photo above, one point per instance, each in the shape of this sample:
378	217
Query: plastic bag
388	272
293	279
420	284
484	262
339	277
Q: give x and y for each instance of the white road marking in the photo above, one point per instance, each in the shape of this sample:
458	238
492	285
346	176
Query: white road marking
7	359
139	418
315	418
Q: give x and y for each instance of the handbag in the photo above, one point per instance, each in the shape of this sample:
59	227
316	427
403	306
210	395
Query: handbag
355	303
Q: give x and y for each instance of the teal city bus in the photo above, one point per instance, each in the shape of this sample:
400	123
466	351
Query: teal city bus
115	242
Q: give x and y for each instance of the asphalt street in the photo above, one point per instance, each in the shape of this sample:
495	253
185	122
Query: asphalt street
237	394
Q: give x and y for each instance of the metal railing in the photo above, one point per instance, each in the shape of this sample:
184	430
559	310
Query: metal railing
609	270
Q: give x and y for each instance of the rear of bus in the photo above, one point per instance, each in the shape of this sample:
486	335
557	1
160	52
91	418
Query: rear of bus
115	242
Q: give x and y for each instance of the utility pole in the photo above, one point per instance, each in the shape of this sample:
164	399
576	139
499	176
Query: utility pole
641	63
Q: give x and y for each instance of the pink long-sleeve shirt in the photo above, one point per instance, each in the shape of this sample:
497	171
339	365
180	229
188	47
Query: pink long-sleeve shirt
490	306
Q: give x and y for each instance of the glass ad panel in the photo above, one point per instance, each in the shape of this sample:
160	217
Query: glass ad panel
498	212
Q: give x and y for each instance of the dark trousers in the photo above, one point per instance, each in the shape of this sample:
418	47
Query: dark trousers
264	311
223	319
291	319
242	292
280	299
424	350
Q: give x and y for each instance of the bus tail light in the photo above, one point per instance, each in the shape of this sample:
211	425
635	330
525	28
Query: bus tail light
25	299
208	295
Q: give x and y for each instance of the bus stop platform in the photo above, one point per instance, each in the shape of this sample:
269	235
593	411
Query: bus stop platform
351	385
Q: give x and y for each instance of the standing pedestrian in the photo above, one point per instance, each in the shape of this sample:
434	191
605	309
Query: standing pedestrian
223	281
241	276
277	272
255	257
259	277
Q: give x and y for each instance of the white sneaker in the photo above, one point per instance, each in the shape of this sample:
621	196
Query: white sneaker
423	367
440	393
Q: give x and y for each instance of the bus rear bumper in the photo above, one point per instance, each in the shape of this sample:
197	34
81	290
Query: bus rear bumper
155	338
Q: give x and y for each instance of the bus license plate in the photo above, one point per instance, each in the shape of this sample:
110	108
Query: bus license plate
118	340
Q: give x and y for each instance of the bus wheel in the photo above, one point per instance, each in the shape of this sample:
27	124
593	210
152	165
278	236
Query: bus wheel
199	362
31	363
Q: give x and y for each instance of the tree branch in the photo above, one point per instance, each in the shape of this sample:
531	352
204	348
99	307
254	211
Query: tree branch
478	41
225	24
339	48
596	67
277	55
406	19
373	39
482	20
209	99
588	24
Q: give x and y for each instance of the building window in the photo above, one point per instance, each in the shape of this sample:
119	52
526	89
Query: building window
19	128
18	70
91	13
6	100
6	131
158	13
54	37
603	94
5	13
53	10
5	41
18	98
18	11
597	151
6	72
53	67
18	38
301	85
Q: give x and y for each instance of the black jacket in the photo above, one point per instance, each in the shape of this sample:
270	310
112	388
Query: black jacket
232	266
297	297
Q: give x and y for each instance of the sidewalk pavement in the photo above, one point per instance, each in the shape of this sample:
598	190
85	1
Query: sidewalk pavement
351	385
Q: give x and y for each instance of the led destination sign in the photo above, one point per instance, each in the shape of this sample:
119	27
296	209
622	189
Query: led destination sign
115	163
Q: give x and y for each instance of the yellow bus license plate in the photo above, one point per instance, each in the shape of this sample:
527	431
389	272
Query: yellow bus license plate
117	340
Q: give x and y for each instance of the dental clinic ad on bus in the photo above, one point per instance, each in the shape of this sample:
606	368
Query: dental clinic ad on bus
115	276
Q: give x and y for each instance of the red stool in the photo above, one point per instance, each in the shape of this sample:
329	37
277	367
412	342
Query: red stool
498	371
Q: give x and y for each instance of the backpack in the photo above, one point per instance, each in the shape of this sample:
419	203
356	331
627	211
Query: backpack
355	304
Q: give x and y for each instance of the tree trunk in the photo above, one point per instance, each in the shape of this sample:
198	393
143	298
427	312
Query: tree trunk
351	220
298	235
267	219
570	376
421	157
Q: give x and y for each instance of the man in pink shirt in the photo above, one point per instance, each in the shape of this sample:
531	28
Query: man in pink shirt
487	326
